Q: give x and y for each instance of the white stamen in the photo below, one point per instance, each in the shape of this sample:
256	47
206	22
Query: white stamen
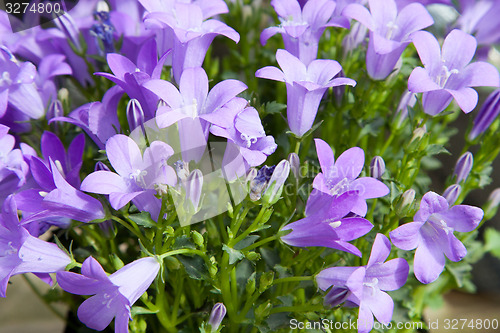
43	194
59	167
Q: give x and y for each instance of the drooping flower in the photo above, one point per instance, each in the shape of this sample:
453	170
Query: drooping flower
487	114
365	286
447	74
22	253
338	177
389	32
137	174
431	234
194	108
305	86
326	224
192	34
114	295
301	28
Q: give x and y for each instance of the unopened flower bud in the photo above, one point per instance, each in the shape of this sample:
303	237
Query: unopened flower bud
68	26
294	161
198	238
405	202
377	167
451	193
252	173
275	185
408	100
338	91
194	185
135	114
419	133
492	204
100	166
259	183
463	167
487	114
216	316
182	169
102	6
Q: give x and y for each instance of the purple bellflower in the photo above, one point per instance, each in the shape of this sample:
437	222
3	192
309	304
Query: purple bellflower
301	28
14	170
22	253
479	18
192	34
431	234
305	86
487	114
89	117
338	177
131	77
193	107
404	3
447	74
365	286
329	225
137	175
247	135
389	32
114	295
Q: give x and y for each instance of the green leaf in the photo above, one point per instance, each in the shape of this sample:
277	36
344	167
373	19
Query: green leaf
492	241
247	241
195	267
435	149
138	310
234	255
143	219
274	107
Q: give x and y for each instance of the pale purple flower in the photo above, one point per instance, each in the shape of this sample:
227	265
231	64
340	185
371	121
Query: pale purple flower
480	18
365	286
463	167
22	253
193	107
431	234
338	177
137	174
301	28
247	134
487	114
404	3
390	32
14	170
216	316
305	86
114	295
447	74
326	223
192	34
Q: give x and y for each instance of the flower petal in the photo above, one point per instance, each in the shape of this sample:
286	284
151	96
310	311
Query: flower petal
429	261
420	81
466	98
391	275
407	236
381	249
369	188
350	163
462	218
480	74
458	49
334	276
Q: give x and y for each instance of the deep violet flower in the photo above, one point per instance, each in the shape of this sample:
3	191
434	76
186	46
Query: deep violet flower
114	295
431	234
327	224
487	114
22	253
137	174
365	286
338	177
390	32
305	86
447	74
301	28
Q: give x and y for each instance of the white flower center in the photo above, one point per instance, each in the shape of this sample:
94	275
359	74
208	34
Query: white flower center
249	140
371	284
138	176
9	251
5	80
339	188
391	29
445	75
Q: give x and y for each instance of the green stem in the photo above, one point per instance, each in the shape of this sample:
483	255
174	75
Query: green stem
293	279
137	233
298	308
250	229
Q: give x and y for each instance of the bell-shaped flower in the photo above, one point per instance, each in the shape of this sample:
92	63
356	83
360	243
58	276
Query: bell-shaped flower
113	295
327	224
479	18
192	34
390	32
301	28
137	174
14	170
366	286
447	74
248	135
431	234
22	253
305	86
338	177
131	77
194	108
